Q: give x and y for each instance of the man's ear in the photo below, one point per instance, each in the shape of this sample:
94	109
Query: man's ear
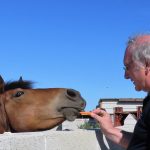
2	84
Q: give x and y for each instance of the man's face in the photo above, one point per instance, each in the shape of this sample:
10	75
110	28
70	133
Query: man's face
134	72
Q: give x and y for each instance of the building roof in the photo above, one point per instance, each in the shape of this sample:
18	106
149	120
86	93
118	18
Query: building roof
122	99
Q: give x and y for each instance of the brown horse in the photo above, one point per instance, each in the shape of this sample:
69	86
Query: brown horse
24	109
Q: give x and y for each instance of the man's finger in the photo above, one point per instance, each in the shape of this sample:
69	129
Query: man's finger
96	116
99	112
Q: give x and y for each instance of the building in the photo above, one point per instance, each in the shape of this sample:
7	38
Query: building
128	104
120	108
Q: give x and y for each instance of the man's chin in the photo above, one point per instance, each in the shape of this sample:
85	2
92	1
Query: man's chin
138	89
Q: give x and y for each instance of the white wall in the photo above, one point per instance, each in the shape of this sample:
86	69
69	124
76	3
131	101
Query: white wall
62	140
59	140
56	140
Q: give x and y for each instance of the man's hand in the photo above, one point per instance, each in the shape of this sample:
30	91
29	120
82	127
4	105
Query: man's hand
103	119
114	134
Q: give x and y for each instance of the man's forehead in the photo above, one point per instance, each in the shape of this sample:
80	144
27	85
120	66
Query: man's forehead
142	39
133	45
137	42
127	57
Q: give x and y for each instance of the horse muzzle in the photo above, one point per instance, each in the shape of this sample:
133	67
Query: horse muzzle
73	104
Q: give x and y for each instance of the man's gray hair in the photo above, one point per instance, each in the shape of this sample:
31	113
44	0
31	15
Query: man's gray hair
140	51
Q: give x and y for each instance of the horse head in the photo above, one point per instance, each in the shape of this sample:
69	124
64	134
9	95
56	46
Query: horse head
24	109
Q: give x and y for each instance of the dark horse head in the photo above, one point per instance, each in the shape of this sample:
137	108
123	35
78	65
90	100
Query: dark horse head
25	109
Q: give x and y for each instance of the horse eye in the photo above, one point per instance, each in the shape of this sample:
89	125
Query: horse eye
19	93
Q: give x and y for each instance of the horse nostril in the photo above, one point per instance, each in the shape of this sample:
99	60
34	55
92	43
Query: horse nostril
71	93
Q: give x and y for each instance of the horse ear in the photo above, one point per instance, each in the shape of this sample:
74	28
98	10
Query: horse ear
2	84
20	79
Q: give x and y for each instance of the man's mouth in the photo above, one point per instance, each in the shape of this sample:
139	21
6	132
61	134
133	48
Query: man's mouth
132	81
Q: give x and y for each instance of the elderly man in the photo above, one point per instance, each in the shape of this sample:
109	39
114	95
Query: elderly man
137	69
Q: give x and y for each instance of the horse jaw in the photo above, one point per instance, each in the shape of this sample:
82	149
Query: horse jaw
70	113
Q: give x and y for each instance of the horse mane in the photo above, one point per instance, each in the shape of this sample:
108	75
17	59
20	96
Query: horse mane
18	84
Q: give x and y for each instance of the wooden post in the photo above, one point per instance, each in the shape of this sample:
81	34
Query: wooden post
118	114
139	112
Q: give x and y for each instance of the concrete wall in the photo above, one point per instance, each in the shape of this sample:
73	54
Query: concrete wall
57	140
73	139
76	139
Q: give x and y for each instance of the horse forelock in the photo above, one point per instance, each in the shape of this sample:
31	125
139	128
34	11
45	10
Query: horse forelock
18	84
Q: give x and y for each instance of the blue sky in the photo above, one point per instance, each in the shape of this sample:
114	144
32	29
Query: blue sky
75	44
